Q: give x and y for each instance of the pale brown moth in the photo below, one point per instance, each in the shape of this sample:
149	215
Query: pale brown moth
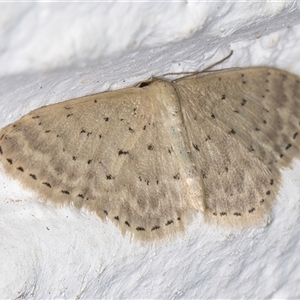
149	157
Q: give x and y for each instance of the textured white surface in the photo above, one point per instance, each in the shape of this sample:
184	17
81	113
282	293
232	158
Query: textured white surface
51	52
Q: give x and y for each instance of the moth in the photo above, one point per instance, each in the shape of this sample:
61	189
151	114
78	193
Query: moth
150	157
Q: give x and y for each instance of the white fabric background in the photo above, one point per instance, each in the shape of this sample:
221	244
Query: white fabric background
50	52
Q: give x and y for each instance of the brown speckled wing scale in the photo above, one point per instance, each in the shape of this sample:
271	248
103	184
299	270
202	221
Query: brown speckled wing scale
148	158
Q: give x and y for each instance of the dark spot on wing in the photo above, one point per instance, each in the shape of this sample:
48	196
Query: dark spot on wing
32	176
140	229
47	184
196	147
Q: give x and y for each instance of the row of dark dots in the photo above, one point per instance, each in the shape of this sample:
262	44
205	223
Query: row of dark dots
251	210
176	177
21	169
289	145
148	182
33	176
139	228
